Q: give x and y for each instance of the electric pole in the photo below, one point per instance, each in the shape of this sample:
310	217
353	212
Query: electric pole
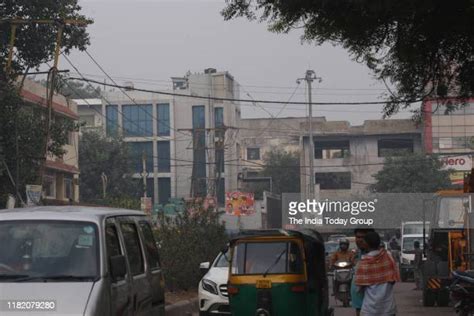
309	78
144	174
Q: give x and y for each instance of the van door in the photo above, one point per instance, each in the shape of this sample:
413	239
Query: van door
154	271
120	289
141	289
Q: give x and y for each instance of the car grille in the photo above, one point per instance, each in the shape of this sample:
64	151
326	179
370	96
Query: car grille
223	290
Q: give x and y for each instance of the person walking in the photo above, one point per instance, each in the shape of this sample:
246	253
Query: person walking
376	274
357	297
417	265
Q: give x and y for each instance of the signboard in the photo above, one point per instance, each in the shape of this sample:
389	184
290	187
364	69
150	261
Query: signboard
458	163
145	205
33	194
239	203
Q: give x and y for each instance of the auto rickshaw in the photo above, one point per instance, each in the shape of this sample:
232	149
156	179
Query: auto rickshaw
278	273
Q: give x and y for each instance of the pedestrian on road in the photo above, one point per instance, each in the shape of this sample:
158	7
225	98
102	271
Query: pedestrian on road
417	265
357	297
376	275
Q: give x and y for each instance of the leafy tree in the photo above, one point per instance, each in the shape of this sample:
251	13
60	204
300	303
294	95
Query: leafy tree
35	43
187	240
411	173
284	169
97	155
424	48
74	89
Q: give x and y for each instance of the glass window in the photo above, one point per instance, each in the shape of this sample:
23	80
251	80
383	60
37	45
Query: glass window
112	242
164	190
136	155
199	151
89	120
220	163
222	261
49	185
68	188
153	257
137	120
132	245
199	118
331	149
47	250
253	153
164	157
111	113
163	111
333	180
451	213
269	257
408	243
395	147
219	117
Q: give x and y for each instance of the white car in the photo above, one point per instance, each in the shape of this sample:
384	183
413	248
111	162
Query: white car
212	293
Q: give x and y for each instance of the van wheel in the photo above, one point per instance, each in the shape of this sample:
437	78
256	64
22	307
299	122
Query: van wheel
443	298
429	298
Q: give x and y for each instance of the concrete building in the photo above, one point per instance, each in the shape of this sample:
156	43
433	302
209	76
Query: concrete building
60	182
346	157
450	134
190	140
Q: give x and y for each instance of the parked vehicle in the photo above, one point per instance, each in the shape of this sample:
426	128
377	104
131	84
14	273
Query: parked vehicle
278	272
74	260
342	279
212	293
407	254
462	293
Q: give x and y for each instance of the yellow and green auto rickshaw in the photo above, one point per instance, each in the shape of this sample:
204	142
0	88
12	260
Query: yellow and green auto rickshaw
278	273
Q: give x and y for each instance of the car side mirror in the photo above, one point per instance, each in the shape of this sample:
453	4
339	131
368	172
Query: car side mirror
118	267
204	267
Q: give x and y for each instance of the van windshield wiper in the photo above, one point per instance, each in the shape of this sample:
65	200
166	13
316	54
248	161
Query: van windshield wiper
61	277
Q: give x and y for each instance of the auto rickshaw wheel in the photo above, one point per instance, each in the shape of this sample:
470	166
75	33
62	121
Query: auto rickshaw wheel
429	298
345	300
443	298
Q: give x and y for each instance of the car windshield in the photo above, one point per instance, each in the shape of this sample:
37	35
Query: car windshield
409	229
48	250
267	258
408	243
222	261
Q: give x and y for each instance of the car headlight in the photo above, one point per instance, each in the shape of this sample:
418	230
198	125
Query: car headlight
209	286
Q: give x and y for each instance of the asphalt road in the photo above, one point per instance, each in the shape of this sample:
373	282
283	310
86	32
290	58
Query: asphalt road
408	304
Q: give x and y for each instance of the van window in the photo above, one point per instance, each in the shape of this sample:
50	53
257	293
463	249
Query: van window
132	245
150	246
112	242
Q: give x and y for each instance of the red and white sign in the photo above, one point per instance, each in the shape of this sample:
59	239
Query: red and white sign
458	163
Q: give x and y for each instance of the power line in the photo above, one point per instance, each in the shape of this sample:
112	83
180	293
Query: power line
242	100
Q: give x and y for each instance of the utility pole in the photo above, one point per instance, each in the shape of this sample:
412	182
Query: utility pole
309	78
144	174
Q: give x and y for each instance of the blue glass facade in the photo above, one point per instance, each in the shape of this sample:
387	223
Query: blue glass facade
136	154
164	190
164	156
137	120
220	132
111	114
163	111
199	151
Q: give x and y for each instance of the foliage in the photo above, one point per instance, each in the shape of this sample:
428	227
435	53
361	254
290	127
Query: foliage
35	43
187	240
25	125
284	169
422	48
97	155
74	89
411	173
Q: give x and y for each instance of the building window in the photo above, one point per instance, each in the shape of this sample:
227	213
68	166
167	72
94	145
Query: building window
68	188
199	151
163	111
334	180
253	153
136	154
331	149
219	138
49	185
150	188
164	190
395	147
88	120
219	117
220	190
164	157
137	120
111	112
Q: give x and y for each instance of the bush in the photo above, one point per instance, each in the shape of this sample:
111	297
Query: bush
185	241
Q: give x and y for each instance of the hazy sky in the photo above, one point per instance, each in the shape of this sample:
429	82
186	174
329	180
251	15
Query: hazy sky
151	41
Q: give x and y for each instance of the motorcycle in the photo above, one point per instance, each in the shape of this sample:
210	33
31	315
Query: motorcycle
462	292
342	279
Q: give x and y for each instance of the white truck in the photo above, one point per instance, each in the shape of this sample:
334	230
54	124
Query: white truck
411	232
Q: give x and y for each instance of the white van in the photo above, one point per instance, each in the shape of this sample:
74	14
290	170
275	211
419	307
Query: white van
74	260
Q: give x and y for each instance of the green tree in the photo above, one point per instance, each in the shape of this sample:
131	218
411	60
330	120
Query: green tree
97	155
411	173
284	169
422	48
74	89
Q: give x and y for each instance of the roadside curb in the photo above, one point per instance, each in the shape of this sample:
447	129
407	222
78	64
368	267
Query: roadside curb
182	308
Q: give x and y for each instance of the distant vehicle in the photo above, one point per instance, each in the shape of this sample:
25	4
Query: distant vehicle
74	260
414	228
336	237
407	254
212	292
